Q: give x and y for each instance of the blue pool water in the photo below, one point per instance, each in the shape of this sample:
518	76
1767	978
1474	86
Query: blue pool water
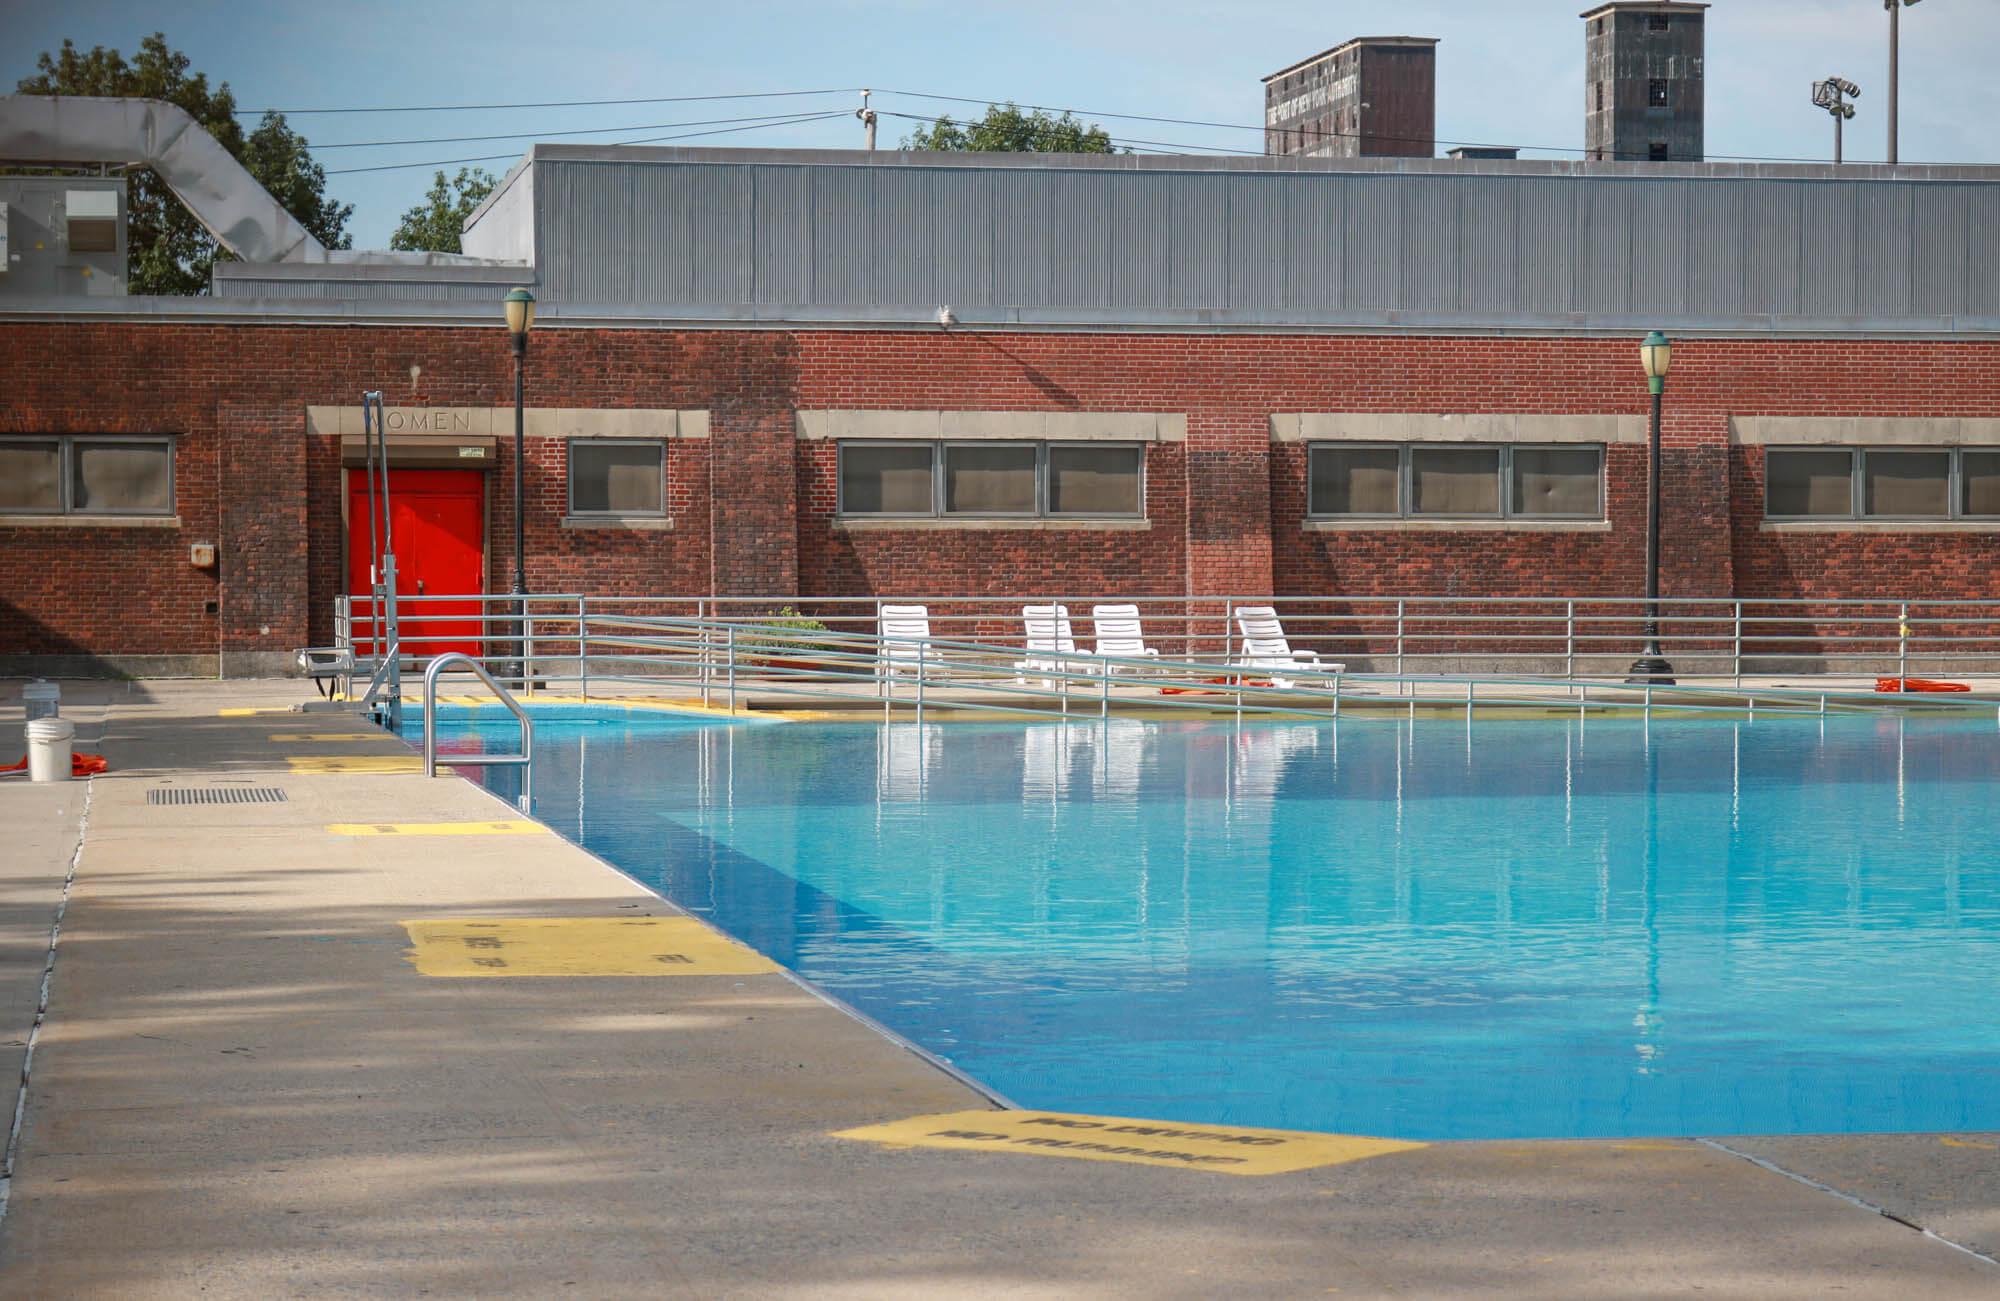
1420	929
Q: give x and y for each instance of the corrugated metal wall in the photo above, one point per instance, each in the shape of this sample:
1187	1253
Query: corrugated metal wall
1271	246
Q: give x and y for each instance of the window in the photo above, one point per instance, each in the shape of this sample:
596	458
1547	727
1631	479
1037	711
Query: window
610	476
991	480
1454	480
1600	97
1659	22
86	475
1907	483
1656	92
1656	152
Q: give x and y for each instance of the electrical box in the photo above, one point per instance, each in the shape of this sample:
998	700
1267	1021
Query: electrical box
202	555
63	237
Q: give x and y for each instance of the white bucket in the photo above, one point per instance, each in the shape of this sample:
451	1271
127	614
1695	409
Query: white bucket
48	749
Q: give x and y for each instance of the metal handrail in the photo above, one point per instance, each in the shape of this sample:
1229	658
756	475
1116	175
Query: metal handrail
383	671
524	760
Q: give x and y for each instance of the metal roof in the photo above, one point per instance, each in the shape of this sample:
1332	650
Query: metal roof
1268	240
619	235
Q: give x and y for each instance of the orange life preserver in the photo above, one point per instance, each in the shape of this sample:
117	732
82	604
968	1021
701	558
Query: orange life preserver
1917	684
80	764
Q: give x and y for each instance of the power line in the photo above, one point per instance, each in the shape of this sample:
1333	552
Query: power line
560	103
541	135
488	158
1119	140
912	94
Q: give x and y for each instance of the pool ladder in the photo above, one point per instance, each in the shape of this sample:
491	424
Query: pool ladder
524	760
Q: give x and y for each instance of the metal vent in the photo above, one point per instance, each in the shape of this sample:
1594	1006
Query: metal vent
214	795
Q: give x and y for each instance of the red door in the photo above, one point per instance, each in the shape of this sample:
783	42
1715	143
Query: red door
439	518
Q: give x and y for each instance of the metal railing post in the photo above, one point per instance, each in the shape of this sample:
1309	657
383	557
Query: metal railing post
1569	639
1736	649
1903	642
730	651
1401	610
583	646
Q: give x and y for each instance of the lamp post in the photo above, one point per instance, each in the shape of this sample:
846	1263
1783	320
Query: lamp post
520	308
1651	668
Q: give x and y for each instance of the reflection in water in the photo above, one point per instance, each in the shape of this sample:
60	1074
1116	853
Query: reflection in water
1569	928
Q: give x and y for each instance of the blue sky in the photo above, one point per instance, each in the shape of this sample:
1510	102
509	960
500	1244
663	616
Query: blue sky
1509	71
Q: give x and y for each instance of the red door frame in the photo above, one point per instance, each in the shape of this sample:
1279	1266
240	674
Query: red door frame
440	527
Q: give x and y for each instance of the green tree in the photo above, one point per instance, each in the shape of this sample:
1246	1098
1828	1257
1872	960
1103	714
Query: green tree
1006	129
436	224
169	252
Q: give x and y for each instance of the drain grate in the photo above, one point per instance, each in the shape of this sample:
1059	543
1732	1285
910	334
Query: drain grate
216	795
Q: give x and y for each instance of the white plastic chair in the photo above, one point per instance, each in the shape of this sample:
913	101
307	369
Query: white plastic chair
1119	635
906	642
1265	650
1048	637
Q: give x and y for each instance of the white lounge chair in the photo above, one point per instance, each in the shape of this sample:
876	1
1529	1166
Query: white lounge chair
1048	639
1119	635
1264	649
906	642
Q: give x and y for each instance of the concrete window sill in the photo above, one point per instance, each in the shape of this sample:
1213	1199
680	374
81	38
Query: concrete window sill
89	521
629	523
990	525
1456	526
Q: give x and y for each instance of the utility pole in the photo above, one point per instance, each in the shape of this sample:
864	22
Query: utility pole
1895	8
1828	95
867	116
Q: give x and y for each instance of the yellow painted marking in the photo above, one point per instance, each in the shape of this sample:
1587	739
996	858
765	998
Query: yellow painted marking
329	736
355	763
247	713
578	946
1966	1142
437	829
1226	1149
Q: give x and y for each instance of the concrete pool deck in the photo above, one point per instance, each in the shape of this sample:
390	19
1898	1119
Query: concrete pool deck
241	1086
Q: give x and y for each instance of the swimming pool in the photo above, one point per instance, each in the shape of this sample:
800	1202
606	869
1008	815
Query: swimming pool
1430	928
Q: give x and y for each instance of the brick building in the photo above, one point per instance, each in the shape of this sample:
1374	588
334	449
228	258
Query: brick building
793	374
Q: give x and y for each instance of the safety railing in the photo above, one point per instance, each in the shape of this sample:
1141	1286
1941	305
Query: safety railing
525	760
730	664
570	639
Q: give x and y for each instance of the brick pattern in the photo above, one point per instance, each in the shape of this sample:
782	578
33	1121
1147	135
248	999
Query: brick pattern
752	506
261	503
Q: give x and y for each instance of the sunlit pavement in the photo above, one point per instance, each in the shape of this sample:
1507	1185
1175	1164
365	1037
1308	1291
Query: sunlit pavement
249	1081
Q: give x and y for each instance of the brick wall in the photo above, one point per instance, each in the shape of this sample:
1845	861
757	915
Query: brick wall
752	506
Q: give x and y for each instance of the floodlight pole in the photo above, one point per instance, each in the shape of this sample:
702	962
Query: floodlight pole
1895	8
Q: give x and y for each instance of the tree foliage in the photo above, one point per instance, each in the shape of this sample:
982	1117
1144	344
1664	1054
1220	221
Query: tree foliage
436	224
169	252
1007	129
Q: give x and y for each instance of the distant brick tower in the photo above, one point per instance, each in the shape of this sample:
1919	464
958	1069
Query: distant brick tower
1374	95
1643	83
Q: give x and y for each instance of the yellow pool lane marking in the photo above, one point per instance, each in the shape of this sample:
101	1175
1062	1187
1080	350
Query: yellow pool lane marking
1961	1142
521	828
577	946
1225	1149
330	736
355	763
